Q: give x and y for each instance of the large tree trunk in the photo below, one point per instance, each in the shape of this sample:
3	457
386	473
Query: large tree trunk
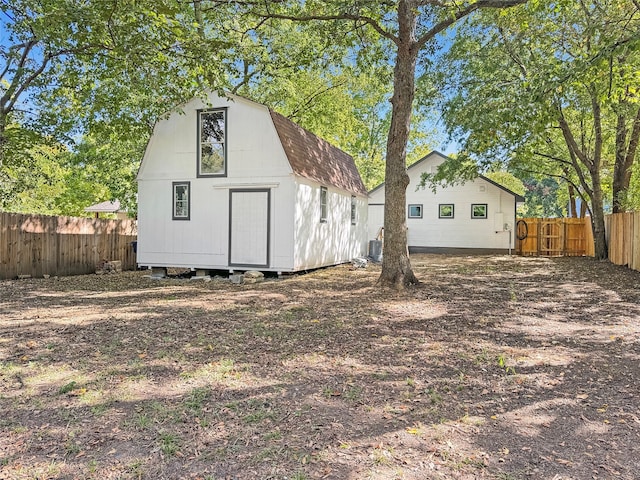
591	186
396	266
597	219
626	149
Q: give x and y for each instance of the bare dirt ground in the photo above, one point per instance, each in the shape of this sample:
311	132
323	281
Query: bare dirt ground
494	367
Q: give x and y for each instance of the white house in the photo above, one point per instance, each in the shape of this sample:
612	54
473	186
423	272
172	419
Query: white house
228	184
479	214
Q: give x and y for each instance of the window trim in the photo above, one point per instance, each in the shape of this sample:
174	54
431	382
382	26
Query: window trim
419	205
324	200
200	112
174	201
353	209
486	211
453	210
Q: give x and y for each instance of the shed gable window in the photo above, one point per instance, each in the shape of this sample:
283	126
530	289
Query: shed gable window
415	211
181	201
323	204
212	142
353	209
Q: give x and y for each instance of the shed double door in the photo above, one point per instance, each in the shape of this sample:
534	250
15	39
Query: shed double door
249	227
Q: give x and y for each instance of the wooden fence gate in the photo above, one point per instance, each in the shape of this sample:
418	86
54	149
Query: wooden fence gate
554	237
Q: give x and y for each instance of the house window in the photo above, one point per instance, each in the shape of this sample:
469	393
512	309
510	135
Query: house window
323	204
353	209
445	210
415	211
212	143
181	201
479	210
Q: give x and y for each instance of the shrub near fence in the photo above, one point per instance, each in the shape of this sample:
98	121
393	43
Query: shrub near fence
40	245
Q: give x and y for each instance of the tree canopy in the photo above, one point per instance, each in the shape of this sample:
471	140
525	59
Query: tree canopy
551	90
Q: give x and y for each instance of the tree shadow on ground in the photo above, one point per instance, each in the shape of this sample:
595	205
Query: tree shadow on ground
494	367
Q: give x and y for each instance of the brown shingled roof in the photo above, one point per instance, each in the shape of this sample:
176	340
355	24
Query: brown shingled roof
316	159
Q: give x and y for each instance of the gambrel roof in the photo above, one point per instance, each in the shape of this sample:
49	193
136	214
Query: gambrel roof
316	159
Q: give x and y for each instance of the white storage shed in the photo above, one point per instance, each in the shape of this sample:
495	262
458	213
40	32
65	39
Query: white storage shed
228	184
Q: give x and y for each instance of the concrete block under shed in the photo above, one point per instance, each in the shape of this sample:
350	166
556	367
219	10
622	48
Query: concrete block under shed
253	276
113	266
158	272
202	275
236	278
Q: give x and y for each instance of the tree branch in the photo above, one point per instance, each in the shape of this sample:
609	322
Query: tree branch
574	148
312	97
444	24
309	17
13	87
597	125
634	140
552	157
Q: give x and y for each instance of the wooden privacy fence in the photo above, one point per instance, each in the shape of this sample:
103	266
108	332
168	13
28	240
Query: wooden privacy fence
40	245
623	238
552	237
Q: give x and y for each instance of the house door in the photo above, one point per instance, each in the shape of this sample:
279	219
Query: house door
249	226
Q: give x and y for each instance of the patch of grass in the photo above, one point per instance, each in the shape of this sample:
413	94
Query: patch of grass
161	412
169	443
299	476
92	466
196	399
140	421
267	453
135	468
434	396
382	456
483	357
502	363
505	476
71	446
353	394
69	387
274	435
222	371
258	411
100	409
329	392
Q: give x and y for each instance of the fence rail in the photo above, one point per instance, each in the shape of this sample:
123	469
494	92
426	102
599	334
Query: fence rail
553	237
623	238
40	245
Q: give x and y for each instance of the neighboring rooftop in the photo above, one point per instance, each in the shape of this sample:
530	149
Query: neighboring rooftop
105	207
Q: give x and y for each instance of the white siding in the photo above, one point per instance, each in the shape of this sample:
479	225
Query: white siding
461	231
331	242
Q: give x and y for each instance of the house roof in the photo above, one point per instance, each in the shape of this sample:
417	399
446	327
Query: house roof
316	159
105	207
519	198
